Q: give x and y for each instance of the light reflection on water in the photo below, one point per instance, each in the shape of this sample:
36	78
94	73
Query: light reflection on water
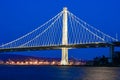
58	73
102	73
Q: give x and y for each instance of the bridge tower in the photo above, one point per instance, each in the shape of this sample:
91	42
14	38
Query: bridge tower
64	59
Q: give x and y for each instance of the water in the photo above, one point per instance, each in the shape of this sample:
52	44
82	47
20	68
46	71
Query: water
58	73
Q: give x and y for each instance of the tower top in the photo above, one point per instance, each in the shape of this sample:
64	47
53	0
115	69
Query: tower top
65	9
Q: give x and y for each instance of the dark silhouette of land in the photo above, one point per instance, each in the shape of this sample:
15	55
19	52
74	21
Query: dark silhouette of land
105	61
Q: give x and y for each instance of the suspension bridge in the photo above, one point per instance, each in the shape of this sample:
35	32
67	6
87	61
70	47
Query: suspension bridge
63	31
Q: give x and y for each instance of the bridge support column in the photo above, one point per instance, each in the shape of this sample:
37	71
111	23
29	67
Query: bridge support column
111	53
64	59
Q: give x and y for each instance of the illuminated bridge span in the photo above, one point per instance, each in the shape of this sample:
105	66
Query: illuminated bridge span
64	31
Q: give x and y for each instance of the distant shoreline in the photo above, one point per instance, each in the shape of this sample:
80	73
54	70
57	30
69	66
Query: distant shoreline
61	65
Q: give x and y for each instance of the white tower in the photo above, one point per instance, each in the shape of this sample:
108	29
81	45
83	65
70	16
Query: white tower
64	60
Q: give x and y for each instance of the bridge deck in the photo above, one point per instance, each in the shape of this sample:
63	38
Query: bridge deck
92	45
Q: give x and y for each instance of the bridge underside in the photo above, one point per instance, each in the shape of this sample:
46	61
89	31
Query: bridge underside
91	45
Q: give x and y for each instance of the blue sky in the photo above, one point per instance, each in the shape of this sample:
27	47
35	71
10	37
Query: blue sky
18	17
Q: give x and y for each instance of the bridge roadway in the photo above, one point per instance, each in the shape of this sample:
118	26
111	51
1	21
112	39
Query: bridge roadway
91	45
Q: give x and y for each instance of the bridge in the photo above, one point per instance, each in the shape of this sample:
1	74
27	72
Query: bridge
64	31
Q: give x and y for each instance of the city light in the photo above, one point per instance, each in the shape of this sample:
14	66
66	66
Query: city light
39	62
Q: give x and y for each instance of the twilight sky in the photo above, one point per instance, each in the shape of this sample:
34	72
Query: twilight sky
18	17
